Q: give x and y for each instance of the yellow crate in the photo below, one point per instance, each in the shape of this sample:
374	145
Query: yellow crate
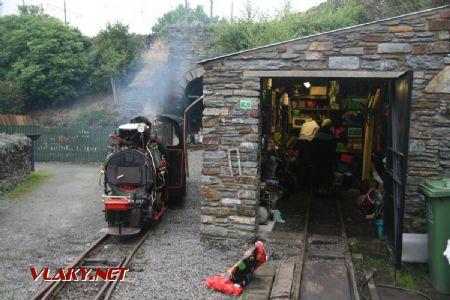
318	91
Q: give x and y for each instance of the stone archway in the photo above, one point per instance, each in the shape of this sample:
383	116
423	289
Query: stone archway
188	77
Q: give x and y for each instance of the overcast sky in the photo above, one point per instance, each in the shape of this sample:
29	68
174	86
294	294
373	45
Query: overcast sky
91	15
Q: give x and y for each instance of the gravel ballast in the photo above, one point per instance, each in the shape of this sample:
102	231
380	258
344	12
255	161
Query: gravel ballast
173	263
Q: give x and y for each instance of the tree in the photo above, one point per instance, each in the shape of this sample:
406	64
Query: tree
31	10
46	60
177	17
116	49
245	32
12	100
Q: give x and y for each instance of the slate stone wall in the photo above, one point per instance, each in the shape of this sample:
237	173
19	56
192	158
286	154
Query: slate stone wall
15	165
186	46
418	42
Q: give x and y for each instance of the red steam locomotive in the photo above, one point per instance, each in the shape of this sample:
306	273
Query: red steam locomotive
144	168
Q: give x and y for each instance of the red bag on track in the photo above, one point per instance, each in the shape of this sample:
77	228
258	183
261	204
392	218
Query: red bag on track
239	275
261	256
242	271
224	285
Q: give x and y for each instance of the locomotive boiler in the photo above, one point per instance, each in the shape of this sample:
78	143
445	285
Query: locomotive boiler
137	177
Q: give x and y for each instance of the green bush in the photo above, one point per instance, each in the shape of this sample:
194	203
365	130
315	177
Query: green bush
94	116
12	100
42	56
254	29
49	121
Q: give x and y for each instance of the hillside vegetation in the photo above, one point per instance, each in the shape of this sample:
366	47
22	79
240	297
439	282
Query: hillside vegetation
44	63
255	28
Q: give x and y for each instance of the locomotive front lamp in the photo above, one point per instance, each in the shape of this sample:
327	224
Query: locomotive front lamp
141	127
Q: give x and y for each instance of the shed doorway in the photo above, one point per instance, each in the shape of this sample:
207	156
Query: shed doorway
361	143
193	91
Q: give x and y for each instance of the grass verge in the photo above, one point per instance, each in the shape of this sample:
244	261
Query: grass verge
31	183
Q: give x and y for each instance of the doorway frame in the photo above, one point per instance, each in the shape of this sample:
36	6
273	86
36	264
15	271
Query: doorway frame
393	229
397	165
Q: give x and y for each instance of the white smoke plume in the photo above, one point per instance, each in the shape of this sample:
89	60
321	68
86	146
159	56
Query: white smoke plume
155	87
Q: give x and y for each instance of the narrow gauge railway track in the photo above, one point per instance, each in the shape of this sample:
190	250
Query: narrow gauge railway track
325	269
106	252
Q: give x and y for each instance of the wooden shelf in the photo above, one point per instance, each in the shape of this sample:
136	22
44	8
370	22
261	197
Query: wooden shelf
308	97
352	151
311	109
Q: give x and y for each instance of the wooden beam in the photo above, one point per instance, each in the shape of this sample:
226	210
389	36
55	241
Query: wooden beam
281	288
373	289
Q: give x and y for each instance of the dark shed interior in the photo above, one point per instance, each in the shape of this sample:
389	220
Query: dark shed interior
358	143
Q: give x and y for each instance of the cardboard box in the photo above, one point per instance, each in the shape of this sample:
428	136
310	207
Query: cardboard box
318	91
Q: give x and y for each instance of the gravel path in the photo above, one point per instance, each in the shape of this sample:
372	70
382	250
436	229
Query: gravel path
56	222
47	227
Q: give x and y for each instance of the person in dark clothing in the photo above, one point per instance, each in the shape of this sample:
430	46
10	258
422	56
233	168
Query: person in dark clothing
304	151
324	155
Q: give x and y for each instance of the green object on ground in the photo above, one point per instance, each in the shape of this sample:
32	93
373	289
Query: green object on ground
437	193
379	224
277	216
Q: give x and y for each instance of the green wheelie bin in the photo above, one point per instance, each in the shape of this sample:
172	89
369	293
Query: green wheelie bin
437	194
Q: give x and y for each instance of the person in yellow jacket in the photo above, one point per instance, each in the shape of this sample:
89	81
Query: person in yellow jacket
303	147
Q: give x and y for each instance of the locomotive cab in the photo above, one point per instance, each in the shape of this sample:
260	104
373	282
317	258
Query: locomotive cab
134	133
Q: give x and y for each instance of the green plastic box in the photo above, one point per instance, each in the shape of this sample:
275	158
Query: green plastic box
355	103
437	194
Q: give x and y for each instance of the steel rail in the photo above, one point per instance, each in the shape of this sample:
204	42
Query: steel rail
53	288
47	290
126	264
107	283
348	259
295	292
296	288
